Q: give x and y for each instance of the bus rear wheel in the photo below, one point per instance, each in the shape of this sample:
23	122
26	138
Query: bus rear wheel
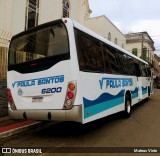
127	111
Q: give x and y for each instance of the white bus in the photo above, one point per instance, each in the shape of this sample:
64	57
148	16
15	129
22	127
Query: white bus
63	71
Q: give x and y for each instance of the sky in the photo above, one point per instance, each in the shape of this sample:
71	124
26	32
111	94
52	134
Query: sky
131	16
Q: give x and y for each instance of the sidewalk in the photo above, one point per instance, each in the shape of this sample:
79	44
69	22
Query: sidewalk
10	127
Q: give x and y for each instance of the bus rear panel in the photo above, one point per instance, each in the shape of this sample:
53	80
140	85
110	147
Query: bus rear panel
40	82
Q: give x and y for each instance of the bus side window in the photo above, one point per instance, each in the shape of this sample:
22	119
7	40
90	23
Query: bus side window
97	51
131	67
80	51
149	71
94	60
123	59
89	53
112	59
143	69
106	60
138	71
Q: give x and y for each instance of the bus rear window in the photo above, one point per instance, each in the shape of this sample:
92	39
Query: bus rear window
46	43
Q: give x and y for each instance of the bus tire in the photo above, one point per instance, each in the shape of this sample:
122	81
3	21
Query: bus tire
147	99
127	111
149	92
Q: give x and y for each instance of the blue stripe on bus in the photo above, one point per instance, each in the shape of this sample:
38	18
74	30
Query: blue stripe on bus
102	98
102	103
144	90
134	93
95	109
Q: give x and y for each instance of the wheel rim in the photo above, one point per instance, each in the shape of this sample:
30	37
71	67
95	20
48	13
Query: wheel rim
128	107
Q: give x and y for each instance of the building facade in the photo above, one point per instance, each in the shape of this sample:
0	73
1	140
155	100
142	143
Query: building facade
19	15
103	26
156	66
141	45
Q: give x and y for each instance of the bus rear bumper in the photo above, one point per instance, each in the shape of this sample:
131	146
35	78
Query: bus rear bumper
74	114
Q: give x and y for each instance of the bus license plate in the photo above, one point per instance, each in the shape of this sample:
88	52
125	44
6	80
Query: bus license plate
37	99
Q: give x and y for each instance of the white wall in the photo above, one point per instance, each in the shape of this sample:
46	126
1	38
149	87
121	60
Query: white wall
5	14
102	25
12	15
131	46
83	12
49	10
138	45
52	9
5	22
18	16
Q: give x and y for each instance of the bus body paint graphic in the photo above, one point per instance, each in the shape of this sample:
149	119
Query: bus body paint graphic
115	82
144	90
106	100
39	81
134	93
103	102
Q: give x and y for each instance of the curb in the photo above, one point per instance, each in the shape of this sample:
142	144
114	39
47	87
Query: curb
17	128
3	118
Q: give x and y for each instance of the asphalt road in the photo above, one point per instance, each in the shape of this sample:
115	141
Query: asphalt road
142	129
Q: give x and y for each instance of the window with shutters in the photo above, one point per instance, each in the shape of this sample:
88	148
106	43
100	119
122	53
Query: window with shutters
66	8
109	36
134	51
32	13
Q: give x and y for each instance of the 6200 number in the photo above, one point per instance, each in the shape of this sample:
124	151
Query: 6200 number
51	90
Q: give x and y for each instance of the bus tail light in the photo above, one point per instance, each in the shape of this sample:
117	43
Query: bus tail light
10	100
65	21
70	95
